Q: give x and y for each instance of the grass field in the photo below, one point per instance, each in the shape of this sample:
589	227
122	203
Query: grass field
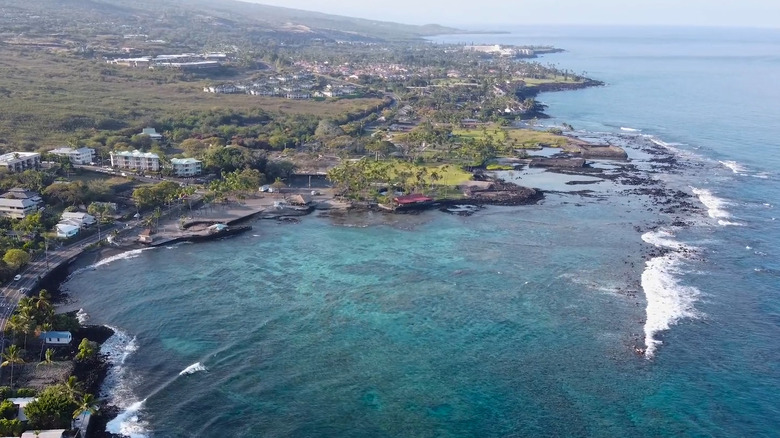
516	138
46	96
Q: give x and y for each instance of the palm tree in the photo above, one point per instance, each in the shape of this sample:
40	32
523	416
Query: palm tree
85	405
11	356
72	388
48	358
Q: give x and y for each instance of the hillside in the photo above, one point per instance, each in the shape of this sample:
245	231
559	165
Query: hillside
82	19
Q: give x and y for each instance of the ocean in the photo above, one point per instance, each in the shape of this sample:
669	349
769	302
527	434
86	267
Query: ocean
515	321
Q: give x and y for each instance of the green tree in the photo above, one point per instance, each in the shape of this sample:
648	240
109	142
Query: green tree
16	258
7	410
86	404
12	356
87	350
11	427
53	409
48	358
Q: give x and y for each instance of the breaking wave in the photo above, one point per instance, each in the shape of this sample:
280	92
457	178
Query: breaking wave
192	369
734	166
117	387
123	256
667	300
624	128
716	207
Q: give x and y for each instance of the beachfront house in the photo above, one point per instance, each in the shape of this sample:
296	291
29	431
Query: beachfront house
51	433
79	218
56	338
66	231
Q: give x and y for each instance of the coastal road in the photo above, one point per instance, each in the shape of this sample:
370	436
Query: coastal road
38	268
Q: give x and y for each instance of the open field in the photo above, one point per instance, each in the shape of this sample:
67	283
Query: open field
531	82
46	97
517	138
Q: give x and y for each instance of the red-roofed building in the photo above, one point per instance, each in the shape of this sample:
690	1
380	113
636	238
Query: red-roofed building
413	199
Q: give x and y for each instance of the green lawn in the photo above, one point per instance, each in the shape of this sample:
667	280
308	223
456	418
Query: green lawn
516	138
532	82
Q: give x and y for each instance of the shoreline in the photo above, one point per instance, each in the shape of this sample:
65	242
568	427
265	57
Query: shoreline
675	201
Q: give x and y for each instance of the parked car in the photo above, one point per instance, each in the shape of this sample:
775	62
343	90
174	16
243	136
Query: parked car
17	277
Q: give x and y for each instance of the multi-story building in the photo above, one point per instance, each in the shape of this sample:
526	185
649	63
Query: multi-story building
186	167
76	156
20	161
18	203
135	160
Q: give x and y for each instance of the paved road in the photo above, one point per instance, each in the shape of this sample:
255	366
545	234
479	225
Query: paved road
38	268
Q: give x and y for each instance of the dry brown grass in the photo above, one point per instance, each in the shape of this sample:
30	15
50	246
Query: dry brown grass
40	92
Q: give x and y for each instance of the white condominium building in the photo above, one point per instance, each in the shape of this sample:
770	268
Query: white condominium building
20	161
186	166
135	160
76	156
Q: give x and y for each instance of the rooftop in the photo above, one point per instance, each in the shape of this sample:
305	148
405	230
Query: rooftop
135	154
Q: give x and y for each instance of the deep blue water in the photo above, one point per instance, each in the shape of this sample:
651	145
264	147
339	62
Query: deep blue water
516	321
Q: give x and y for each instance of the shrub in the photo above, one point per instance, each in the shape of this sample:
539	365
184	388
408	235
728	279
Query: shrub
5	392
11	427
26	392
7	409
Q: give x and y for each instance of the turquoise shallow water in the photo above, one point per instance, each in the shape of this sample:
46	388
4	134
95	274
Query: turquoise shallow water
513	322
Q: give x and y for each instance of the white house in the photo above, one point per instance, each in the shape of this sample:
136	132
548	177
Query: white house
77	218
152	133
50	433
22	402
135	160
76	156
20	161
66	231
56	338
186	166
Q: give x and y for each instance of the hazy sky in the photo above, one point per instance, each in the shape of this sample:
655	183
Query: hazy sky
747	13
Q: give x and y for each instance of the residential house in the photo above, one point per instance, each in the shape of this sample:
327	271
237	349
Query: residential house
22	403
298	95
56	338
66	230
77	218
76	156
184	167
152	133
51	433
135	160
20	161
17	203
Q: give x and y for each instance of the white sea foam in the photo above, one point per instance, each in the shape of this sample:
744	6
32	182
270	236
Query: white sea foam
734	166
667	299
192	369
122	256
117	387
715	206
127	423
82	316
624	128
